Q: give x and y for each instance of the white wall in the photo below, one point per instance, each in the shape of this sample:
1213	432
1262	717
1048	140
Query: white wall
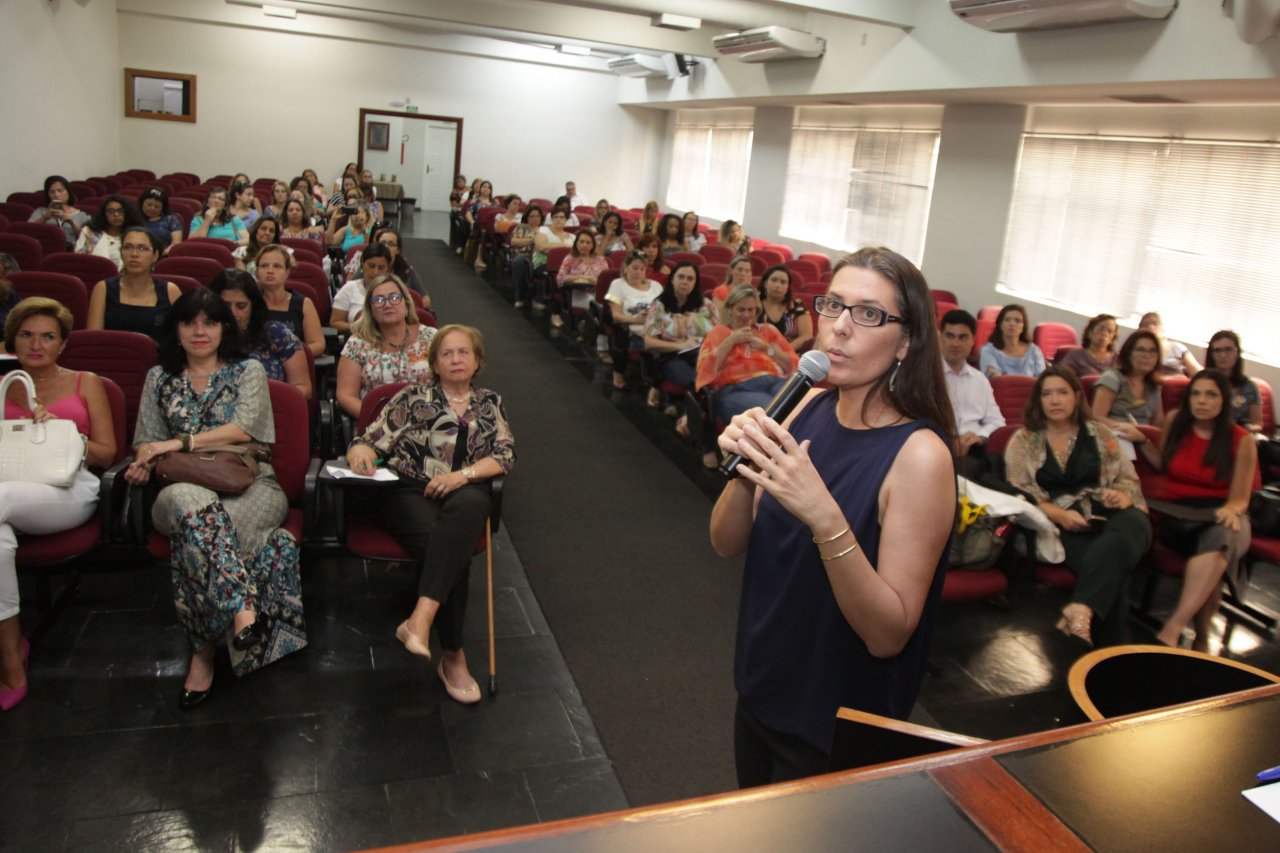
63	92
527	127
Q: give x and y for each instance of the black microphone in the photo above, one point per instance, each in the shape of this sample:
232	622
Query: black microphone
813	368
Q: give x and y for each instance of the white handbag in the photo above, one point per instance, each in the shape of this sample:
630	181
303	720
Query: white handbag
50	453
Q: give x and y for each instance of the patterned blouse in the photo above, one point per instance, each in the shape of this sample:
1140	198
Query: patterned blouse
237	394
417	432
590	266
693	324
282	345
382	368
1028	451
524	231
788	323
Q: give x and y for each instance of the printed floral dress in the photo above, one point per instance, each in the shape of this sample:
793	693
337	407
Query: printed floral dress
229	553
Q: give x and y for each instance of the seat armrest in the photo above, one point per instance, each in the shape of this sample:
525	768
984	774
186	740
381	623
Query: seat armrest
310	484
111	495
496	486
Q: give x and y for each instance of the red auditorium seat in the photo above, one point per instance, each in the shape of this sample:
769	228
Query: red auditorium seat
1012	393
202	270
67	289
718	254
198	249
1050	336
51	238
123	357
807	271
90	269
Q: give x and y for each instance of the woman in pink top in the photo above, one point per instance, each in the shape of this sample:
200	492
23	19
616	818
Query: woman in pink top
579	271
36	332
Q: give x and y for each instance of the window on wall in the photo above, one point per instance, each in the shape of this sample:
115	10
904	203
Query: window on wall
1129	225
851	185
710	156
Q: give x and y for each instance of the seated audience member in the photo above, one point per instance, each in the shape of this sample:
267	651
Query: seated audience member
459	230
1130	394
295	224
1175	359
8	298
339	198
296	311
676	324
972	401
235	570
1097	353
1009	349
279	195
375	262
510	216
655	264
102	235
387	344
242	180
370	196
649	217
1208	465
571	193
216	219
317	186
162	222
1223	355
602	207
732	235
548	237
366	180
133	301
36	330
355	232
612	237
60	209
262	233
1074	469
780	308
350	170
570	218
400	266
302	187
458	192
629	298
671	235
739	272
521	255
744	362
439	507
244	203
482	198
693	238
281	353
578	273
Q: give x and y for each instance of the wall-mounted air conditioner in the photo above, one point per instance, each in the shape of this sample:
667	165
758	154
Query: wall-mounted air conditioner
638	65
768	44
1012	16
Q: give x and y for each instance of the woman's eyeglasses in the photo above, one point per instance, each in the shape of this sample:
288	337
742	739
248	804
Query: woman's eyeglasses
389	299
863	315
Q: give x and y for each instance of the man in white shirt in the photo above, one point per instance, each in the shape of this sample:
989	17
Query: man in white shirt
974	404
575	200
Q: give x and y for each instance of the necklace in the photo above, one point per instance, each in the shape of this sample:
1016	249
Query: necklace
465	398
1065	454
57	371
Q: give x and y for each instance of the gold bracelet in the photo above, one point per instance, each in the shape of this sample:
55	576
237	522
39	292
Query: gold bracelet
848	550
817	541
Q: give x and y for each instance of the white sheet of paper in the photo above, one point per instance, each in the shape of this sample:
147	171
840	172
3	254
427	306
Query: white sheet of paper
379	474
1267	798
1129	450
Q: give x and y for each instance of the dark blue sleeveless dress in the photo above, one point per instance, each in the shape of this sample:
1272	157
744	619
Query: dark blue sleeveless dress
797	660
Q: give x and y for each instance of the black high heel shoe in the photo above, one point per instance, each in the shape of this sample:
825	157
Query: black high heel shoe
249	637
188	699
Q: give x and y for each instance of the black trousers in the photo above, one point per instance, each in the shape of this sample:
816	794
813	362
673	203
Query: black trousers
764	756
441	535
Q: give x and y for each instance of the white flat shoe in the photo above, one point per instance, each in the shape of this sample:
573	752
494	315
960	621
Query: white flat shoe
411	642
468	695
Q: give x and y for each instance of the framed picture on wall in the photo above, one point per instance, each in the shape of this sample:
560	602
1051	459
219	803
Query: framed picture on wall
378	136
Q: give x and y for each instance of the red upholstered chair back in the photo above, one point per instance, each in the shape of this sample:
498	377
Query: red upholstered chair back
20	206
1172	390
807	271
305	249
940	310
1268	405
200	249
50	237
67	289
291	452
1012	393
712	271
944	296
23	249
313	275
184	282
122	357
782	249
90	269
823	262
989	312
696	258
1050	336
203	270
718	254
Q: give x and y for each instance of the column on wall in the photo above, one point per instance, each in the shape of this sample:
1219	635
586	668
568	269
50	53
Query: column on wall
973	185
767	174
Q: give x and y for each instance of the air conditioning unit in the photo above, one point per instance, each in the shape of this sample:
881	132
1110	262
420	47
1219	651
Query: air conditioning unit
638	65
769	44
1013	16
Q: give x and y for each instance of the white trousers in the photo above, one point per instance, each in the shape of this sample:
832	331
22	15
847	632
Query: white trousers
38	509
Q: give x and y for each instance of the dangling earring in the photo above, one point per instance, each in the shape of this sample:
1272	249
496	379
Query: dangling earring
893	377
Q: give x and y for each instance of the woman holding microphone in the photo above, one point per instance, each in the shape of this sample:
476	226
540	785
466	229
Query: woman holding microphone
843	511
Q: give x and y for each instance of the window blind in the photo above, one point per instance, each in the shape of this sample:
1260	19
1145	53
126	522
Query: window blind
852	186
1129	225
711	153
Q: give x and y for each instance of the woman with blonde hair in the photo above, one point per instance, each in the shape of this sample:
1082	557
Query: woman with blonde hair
387	344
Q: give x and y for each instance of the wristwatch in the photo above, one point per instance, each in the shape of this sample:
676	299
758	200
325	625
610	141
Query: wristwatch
468	473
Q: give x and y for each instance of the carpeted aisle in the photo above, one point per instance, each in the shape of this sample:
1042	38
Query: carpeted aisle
614	541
